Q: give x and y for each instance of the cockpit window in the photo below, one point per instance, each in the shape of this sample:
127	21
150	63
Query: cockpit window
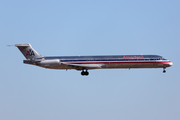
161	58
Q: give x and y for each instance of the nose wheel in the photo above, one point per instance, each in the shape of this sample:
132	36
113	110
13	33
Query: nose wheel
84	73
164	70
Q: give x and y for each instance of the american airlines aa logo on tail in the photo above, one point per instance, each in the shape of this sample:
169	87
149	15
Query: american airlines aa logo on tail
30	53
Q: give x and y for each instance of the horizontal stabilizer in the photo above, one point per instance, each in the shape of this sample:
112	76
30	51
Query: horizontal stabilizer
23	45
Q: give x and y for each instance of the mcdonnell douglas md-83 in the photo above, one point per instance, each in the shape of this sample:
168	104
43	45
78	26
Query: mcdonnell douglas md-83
85	63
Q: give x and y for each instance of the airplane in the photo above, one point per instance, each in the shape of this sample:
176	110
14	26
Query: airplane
85	63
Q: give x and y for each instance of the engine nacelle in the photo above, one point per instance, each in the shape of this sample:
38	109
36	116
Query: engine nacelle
54	62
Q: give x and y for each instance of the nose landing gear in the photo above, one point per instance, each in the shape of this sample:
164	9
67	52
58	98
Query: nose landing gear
164	70
84	73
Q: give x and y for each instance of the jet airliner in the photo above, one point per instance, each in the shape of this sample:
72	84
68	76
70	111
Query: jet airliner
85	63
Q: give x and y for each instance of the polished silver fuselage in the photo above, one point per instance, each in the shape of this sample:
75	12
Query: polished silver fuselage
103	62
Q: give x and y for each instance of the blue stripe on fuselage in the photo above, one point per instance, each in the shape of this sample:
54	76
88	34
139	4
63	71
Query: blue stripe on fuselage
104	60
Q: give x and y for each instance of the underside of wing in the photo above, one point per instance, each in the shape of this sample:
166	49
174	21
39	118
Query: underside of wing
84	66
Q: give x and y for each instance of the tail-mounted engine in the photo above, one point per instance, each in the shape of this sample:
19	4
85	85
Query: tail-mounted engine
47	63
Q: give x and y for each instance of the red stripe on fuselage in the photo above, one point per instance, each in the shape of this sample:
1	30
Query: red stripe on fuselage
120	62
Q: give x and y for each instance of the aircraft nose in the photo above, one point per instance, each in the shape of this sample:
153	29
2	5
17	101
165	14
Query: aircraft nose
170	64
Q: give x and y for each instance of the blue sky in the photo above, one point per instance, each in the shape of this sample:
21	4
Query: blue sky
96	27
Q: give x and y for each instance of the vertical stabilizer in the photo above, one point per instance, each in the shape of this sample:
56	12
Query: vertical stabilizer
28	52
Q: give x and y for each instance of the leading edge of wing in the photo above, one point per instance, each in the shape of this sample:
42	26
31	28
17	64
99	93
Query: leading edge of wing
85	66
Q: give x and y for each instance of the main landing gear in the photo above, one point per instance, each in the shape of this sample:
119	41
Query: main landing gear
84	73
164	70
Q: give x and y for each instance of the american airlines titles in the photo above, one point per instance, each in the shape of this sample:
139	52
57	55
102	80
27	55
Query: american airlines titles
133	57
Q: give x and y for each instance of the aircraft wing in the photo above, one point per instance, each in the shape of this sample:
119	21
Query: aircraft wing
84	66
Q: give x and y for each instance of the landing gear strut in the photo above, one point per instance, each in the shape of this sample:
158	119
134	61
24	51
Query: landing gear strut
164	70
84	73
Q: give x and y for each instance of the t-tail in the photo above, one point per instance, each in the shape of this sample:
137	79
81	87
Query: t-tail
28	52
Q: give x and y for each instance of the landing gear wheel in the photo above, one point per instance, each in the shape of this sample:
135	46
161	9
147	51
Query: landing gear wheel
86	73
82	73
